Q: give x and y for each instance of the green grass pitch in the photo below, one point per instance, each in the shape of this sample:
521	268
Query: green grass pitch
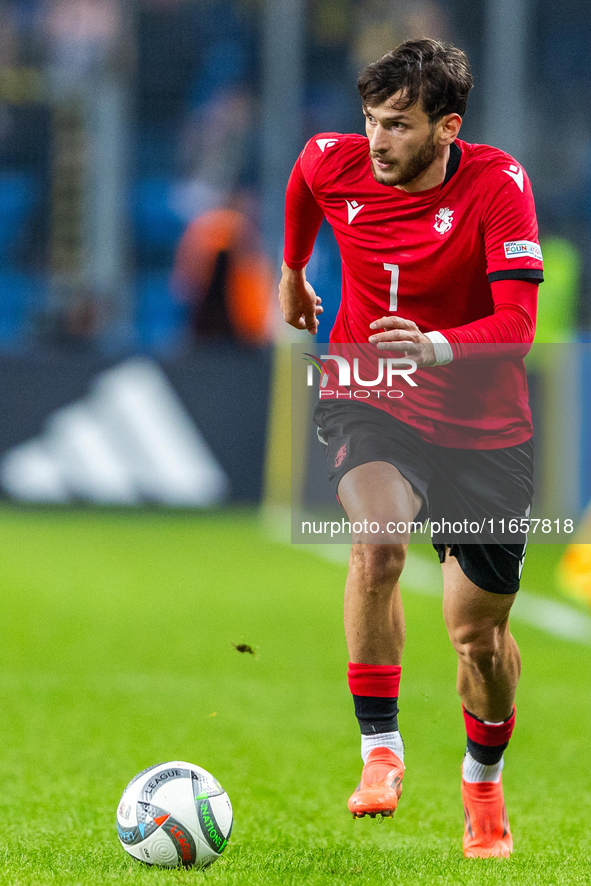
116	636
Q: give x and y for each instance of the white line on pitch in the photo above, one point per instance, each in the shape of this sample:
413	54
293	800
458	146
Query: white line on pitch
423	577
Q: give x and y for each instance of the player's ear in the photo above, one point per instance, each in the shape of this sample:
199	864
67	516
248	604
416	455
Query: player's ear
449	128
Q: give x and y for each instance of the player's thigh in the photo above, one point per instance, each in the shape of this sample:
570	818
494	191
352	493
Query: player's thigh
471	613
377	466
379	502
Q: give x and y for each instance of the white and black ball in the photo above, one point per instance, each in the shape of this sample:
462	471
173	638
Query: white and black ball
174	814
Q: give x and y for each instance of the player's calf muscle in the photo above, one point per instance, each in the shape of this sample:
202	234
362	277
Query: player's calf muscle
483	647
488	673
479	650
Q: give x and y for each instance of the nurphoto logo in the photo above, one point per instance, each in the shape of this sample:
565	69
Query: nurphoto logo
368	378
388	369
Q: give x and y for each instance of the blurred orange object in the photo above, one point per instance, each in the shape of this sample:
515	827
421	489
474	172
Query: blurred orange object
220	268
574	572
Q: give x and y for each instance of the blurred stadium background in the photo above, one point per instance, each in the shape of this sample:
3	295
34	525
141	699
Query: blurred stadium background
144	150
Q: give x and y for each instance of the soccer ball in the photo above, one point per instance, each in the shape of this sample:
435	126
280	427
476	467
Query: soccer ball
174	813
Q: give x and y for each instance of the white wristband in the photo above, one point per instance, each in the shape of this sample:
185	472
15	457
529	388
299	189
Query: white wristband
443	350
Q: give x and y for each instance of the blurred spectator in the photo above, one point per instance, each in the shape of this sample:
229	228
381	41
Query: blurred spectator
221	271
213	151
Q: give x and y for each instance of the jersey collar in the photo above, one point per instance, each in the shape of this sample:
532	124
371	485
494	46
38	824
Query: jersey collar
455	155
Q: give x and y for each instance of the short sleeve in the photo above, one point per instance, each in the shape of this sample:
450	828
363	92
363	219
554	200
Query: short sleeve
510	226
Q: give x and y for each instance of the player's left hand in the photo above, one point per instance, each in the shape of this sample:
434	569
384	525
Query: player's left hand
404	338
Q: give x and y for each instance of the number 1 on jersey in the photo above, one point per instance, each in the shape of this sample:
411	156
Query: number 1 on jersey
393	285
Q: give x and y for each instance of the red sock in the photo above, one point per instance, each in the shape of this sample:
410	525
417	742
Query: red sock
375	694
487	741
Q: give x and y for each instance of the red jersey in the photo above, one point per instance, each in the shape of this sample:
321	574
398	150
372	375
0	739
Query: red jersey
431	256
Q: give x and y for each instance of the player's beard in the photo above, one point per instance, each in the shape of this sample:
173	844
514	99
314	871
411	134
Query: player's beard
415	166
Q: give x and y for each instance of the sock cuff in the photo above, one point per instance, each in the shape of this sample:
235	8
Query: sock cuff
376	681
488	734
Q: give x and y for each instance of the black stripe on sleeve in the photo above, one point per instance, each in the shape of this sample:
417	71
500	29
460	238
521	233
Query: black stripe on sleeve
533	274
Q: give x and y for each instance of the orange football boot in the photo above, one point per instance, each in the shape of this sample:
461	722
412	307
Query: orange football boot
380	787
487	833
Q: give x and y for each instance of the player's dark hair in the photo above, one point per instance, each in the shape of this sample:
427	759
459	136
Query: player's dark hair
434	73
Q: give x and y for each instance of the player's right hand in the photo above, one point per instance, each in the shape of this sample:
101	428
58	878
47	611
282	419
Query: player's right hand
299	303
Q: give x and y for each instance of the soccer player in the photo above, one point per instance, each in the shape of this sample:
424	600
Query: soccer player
440	257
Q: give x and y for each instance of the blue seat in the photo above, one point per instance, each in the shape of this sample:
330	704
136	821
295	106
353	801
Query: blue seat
21	296
155	221
19	192
160	319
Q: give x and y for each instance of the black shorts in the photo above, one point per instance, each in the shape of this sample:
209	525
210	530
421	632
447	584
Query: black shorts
461	489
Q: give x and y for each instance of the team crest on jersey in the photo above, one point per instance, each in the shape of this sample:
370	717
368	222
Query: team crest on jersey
444	220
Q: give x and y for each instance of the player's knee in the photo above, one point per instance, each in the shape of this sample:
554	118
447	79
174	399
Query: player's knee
478	647
380	565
